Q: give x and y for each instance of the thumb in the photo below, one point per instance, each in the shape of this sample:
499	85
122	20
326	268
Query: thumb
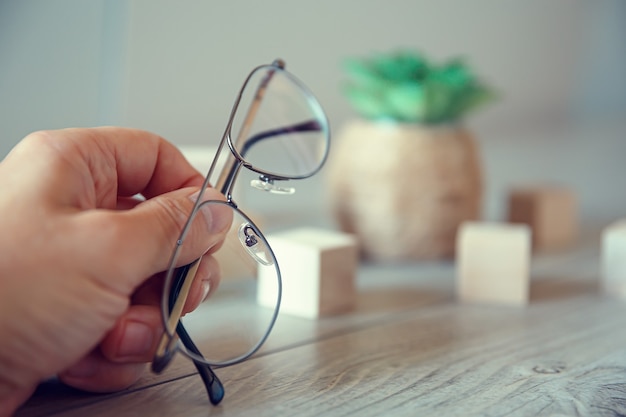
148	233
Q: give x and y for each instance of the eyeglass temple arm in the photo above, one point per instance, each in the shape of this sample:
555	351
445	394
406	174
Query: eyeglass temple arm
258	98
307	126
213	385
176	302
227	179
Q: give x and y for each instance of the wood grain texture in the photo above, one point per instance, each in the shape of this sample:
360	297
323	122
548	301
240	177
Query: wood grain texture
409	349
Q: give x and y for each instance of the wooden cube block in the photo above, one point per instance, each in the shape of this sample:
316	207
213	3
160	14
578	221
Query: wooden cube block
493	263
550	212
318	270
614	260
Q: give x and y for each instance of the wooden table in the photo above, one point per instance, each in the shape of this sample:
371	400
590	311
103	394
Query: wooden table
410	349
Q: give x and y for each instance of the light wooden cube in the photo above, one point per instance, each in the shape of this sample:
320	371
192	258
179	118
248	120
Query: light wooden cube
493	263
550	211
614	260
318	270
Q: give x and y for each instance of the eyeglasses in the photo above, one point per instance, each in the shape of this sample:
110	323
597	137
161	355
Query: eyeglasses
278	131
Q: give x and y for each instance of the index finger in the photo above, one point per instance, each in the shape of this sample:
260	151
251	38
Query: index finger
141	162
147	163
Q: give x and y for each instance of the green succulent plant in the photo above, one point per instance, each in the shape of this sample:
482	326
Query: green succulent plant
404	86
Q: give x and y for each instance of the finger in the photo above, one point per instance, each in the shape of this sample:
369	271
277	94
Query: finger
111	162
134	337
127	203
14	401
154	228
204	283
141	240
145	162
95	373
207	275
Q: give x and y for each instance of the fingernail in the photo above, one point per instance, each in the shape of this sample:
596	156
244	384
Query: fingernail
87	367
218	216
206	287
137	340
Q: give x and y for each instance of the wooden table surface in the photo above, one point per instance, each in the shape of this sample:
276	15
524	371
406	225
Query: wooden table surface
410	349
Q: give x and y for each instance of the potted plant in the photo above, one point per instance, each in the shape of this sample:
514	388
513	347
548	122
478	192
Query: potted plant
406	173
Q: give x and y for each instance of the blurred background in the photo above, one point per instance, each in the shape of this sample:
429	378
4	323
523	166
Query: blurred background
174	67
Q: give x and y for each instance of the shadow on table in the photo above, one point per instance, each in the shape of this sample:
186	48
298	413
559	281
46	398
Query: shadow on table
396	299
52	396
550	289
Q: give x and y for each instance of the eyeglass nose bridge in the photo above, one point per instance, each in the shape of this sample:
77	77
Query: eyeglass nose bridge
301	115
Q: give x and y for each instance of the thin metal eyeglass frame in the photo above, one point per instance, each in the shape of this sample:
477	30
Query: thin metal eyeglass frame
225	183
236	161
185	273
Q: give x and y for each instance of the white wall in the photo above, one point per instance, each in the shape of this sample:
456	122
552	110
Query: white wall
49	68
187	59
174	67
61	64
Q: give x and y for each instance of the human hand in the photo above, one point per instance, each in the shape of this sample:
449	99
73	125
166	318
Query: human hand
80	257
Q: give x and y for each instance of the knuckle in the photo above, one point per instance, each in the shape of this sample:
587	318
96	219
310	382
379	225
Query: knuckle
173	215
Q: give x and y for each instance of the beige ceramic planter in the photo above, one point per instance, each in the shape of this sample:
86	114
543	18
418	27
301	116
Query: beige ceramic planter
403	189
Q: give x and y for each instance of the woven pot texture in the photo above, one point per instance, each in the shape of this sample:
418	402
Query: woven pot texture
404	189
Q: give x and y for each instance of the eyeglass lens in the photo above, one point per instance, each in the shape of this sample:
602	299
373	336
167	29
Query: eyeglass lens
288	133
230	324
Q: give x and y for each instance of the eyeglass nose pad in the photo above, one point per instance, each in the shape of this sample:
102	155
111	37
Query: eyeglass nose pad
254	245
265	184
